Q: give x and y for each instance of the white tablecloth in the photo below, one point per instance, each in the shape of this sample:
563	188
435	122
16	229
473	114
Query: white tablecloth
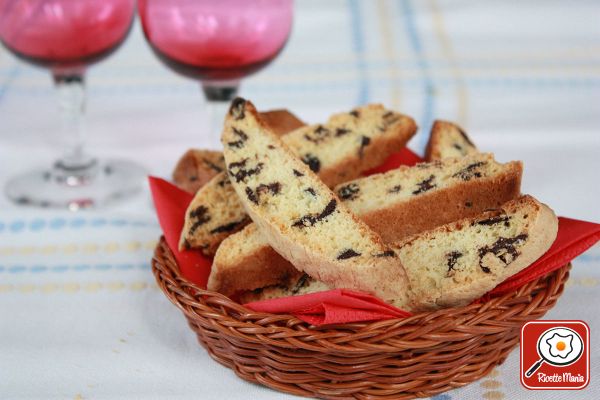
80	314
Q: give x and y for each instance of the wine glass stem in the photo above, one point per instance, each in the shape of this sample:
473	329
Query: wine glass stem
74	166
218	96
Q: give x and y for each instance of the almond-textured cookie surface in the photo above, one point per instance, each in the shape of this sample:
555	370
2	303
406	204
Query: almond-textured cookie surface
301	218
395	204
347	145
448	140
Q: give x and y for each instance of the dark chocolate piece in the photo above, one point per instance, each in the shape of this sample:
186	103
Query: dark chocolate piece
230	226
224	182
464	135
364	142
313	162
457	147
238	144
201	216
395	189
212	165
311	219
425	185
341	132
354	113
389	118
251	195
271	147
387	253
348	253
274	188
470	171
298	173
495	220
254	195
302	282
503	248
452	257
349	191
311	191
242	172
319	134
238	108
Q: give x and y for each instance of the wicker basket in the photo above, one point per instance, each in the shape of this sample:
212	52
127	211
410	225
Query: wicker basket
420	356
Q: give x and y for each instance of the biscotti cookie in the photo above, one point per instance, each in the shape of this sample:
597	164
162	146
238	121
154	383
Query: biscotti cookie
448	140
349	144
196	167
301	218
246	261
394	204
459	262
302	284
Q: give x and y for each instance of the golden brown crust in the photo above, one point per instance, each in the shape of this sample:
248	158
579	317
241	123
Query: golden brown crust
281	121
435	149
257	270
196	167
467	199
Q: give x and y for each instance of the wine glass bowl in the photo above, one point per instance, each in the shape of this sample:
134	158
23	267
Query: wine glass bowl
216	42
66	36
50	34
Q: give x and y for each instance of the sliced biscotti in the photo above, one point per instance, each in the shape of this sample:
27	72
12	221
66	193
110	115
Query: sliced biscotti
409	200
448	140
301	218
394	204
347	145
351	143
246	261
456	263
196	167
302	284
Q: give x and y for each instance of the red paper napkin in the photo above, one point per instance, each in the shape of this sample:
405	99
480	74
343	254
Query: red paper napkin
336	306
341	305
171	204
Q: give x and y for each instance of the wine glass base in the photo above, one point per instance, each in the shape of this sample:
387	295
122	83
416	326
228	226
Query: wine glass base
102	184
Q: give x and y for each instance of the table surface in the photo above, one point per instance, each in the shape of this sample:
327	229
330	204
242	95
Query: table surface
81	316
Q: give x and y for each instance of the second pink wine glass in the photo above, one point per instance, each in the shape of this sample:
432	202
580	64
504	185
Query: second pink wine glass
216	42
66	36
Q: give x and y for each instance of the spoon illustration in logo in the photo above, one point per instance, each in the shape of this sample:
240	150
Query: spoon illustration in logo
558	347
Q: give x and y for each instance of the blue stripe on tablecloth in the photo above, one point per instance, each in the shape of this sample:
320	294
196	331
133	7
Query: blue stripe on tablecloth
359	50
39	224
10	77
428	84
36	269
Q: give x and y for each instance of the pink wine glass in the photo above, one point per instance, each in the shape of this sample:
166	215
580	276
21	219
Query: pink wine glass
216	42
66	36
